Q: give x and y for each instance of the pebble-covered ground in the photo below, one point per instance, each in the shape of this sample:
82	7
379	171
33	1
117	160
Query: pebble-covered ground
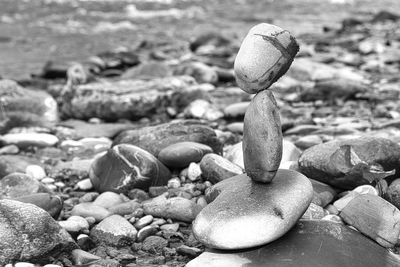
121	122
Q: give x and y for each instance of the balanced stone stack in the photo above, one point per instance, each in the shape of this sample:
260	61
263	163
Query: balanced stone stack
252	217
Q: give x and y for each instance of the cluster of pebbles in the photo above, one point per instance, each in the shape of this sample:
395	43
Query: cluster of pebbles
169	188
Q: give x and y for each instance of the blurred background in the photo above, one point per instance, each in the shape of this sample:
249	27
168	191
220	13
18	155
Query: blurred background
34	32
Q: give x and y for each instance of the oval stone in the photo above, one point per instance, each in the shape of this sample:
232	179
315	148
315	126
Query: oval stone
244	214
216	168
180	155
125	167
264	56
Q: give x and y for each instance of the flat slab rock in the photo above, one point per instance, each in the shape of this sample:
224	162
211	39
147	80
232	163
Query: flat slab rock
309	243
246	214
130	99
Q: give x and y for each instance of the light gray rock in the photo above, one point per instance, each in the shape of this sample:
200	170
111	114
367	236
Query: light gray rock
17	185
176	208
114	230
28	233
90	210
24	140
242	213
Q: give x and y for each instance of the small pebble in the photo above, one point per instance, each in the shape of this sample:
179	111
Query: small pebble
146	232
35	171
108	199
24	264
174	183
88	197
170	227
84	185
144	221
48	180
194	171
10	149
188	251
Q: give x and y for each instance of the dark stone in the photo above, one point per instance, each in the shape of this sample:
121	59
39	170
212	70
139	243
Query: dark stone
180	155
156	138
154	244
125	167
215	168
309	243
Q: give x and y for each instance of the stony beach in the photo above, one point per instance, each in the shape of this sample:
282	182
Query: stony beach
149	133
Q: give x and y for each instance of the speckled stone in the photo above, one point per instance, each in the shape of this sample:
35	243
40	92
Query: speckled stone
264	56
246	214
115	231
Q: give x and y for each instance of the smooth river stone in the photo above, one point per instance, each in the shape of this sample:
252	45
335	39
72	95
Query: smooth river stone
264	56
309	243
125	167
244	214
180	155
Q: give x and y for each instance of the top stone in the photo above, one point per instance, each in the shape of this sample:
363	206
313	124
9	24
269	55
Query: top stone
264	56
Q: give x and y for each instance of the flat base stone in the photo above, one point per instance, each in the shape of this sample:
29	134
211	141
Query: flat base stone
246	214
309	243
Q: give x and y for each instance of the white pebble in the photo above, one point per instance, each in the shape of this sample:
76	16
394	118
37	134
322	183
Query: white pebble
84	184
194	171
82	236
174	183
59	184
24	264
48	180
52	187
51	265
35	171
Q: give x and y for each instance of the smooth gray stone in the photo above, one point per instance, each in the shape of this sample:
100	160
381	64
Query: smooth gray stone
244	214
310	243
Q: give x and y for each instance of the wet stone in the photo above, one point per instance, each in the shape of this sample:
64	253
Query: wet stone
309	243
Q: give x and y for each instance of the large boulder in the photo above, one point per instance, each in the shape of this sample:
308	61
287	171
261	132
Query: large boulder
125	99
335	162
309	243
155	138
28	233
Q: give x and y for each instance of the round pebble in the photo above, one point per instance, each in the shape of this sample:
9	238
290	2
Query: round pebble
35	171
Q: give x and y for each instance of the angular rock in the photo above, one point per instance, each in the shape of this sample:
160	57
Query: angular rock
374	217
393	193
50	203
216	168
323	193
309	243
180	155
83	258
24	107
115	231
176	208
28	233
243	214
125	167
129	99
19	184
324	163
155	138
154	244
